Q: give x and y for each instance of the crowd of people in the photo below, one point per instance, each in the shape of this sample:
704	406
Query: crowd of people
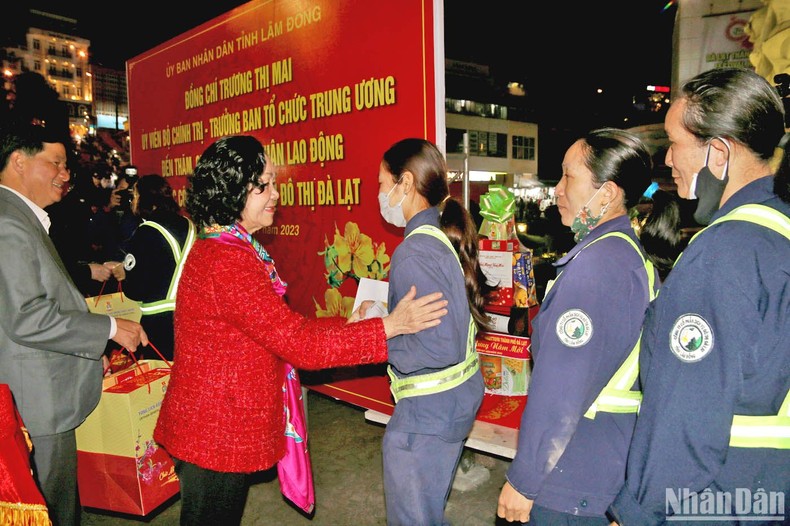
658	376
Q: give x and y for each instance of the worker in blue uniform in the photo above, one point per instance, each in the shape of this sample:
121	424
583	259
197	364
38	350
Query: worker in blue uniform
157	253
435	376
575	430
712	438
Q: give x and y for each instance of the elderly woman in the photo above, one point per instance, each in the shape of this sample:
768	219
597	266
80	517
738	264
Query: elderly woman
222	416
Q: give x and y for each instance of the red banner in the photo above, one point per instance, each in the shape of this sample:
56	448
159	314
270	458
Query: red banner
327	87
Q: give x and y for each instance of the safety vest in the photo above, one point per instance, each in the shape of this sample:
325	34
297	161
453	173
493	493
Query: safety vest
180	256
617	396
446	379
760	431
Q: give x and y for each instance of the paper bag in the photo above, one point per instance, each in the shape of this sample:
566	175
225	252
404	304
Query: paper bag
116	305
119	466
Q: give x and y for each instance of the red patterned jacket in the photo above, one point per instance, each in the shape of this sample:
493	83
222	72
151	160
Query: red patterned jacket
223	409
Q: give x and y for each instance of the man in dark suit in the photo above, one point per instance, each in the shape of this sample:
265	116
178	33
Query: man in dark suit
50	345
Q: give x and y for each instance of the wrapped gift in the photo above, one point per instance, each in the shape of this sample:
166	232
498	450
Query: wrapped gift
524	293
509	270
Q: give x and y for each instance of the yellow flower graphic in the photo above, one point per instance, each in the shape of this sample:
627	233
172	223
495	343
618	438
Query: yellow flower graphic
350	256
354	250
380	266
336	305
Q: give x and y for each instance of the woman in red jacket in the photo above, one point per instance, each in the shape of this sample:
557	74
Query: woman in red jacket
222	415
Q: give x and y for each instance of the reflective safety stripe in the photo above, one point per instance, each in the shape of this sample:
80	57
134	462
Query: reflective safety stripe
753	213
617	396
763	431
179	255
446	379
772	431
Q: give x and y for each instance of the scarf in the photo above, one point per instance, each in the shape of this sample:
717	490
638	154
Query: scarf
230	233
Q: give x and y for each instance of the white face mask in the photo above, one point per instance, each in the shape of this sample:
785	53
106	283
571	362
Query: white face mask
392	214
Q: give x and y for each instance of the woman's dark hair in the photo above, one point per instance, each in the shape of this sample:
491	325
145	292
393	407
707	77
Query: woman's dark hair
154	193
740	105
736	104
426	163
621	157
660	233
220	184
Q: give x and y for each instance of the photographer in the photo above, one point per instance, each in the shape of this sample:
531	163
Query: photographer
114	223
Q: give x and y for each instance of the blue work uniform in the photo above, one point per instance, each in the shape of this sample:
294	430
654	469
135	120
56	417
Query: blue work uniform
715	344
589	321
425	435
150	268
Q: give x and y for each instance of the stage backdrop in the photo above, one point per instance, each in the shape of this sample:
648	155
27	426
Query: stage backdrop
326	86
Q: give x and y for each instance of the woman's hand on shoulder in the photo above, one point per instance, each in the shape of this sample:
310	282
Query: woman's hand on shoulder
413	315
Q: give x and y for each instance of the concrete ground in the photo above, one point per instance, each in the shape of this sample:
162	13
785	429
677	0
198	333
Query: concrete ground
346	455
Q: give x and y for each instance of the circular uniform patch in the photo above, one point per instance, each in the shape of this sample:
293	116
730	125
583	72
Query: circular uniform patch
691	338
574	328
129	262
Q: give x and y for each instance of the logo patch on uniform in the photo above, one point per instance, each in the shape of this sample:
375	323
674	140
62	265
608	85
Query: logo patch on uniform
574	328
129	262
691	338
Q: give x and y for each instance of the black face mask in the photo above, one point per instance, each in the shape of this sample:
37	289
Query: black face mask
709	191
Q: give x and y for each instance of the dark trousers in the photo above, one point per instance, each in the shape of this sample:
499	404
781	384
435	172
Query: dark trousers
540	516
418	474
211	497
55	469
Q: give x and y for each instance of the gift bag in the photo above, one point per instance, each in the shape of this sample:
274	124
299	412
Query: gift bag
116	305
294	469
119	466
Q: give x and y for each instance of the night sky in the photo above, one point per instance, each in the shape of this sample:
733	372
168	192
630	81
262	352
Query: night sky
561	50
589	43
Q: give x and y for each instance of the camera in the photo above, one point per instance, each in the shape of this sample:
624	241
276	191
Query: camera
130	170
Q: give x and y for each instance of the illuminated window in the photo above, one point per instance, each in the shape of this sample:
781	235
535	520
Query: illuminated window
523	148
481	143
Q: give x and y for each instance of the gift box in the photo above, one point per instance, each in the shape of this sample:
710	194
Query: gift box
504	363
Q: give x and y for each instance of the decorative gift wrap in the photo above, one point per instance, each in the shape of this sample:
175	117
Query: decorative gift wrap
119	466
504	363
498	207
524	294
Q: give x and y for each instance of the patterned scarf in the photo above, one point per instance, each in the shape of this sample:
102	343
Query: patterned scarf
235	231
